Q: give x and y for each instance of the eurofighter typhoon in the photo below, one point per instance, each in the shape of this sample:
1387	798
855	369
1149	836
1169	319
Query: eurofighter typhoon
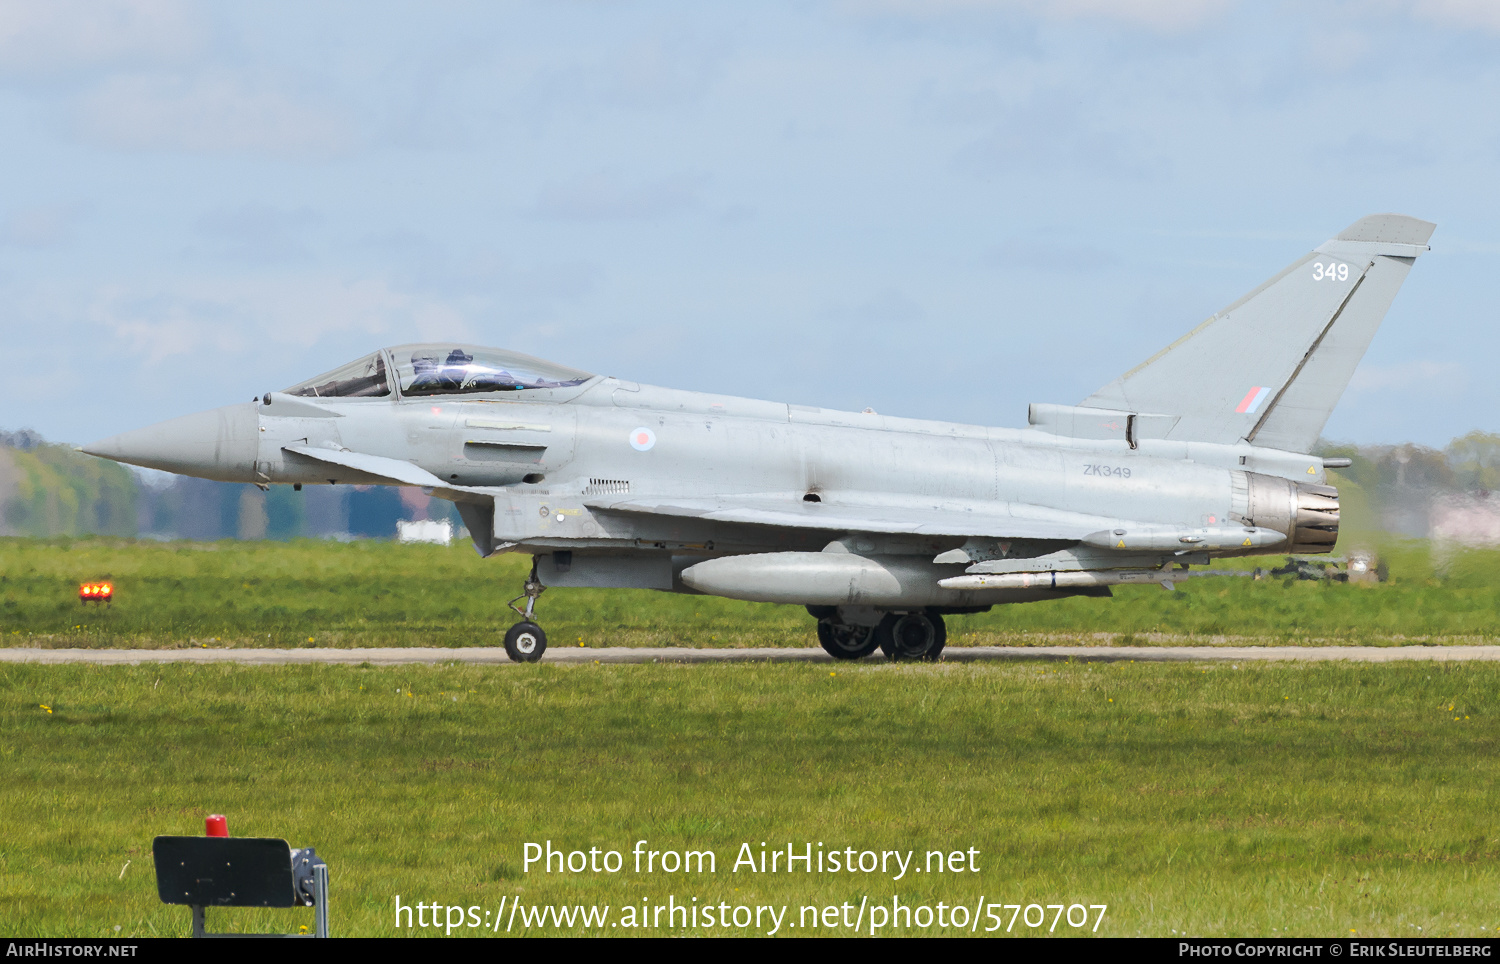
880	526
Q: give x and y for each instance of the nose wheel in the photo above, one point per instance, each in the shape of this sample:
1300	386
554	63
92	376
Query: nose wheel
525	642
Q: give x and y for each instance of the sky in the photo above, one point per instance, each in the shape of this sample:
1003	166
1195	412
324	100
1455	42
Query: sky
936	208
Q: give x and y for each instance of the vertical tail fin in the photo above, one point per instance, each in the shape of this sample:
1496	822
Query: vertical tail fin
1270	368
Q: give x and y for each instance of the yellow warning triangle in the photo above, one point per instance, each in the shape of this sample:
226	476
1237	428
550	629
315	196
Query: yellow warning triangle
1247	540
1121	544
1312	470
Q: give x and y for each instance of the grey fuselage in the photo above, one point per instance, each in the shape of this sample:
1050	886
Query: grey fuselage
1195	453
556	462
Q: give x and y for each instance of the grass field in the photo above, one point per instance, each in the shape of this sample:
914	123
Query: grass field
1259	800
384	594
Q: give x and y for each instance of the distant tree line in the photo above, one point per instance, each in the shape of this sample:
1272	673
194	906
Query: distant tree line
1392	488
52	490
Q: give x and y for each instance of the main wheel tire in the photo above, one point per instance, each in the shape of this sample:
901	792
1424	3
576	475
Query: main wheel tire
846	641
912	636
525	642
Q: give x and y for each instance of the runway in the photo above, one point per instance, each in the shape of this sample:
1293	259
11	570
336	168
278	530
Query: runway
395	656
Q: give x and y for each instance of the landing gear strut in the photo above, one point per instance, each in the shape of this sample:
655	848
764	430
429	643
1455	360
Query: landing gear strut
525	642
911	636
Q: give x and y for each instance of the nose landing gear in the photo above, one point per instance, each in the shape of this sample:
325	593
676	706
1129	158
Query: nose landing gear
525	642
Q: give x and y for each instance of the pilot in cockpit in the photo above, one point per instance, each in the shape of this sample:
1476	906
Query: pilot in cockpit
456	369
427	374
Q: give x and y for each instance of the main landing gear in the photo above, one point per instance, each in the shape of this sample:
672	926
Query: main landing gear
842	640
912	636
902	637
525	642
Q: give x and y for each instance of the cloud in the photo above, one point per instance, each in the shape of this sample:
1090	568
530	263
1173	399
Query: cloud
885	309
548	281
644	74
211	114
1050	132
1484	14
1039	255
58	36
606	197
38	227
230	318
657	71
1338	51
1384	153
257	233
1167	16
482	272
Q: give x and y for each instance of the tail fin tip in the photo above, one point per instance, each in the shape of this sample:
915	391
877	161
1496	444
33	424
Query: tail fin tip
1389	229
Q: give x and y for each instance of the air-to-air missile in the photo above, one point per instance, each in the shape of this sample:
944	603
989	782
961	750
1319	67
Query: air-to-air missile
880	526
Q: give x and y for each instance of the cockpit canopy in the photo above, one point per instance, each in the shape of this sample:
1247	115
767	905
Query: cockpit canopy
362	379
440	369
445	370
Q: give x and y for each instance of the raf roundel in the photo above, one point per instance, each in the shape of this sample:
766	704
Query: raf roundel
641	439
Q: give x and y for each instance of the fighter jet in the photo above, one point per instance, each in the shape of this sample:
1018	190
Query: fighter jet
879	525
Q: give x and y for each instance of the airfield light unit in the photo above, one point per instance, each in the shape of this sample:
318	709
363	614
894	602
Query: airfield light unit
222	871
95	592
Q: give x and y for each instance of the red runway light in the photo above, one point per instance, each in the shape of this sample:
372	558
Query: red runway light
95	592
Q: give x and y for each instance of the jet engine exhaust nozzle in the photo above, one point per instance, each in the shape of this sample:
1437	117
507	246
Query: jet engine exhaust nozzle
1308	514
1317	519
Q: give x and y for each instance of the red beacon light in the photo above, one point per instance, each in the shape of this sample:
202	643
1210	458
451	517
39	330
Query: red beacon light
95	592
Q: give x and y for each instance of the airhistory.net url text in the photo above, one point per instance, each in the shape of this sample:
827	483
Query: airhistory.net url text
516	916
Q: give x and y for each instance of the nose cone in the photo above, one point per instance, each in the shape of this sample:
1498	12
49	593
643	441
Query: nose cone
220	444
